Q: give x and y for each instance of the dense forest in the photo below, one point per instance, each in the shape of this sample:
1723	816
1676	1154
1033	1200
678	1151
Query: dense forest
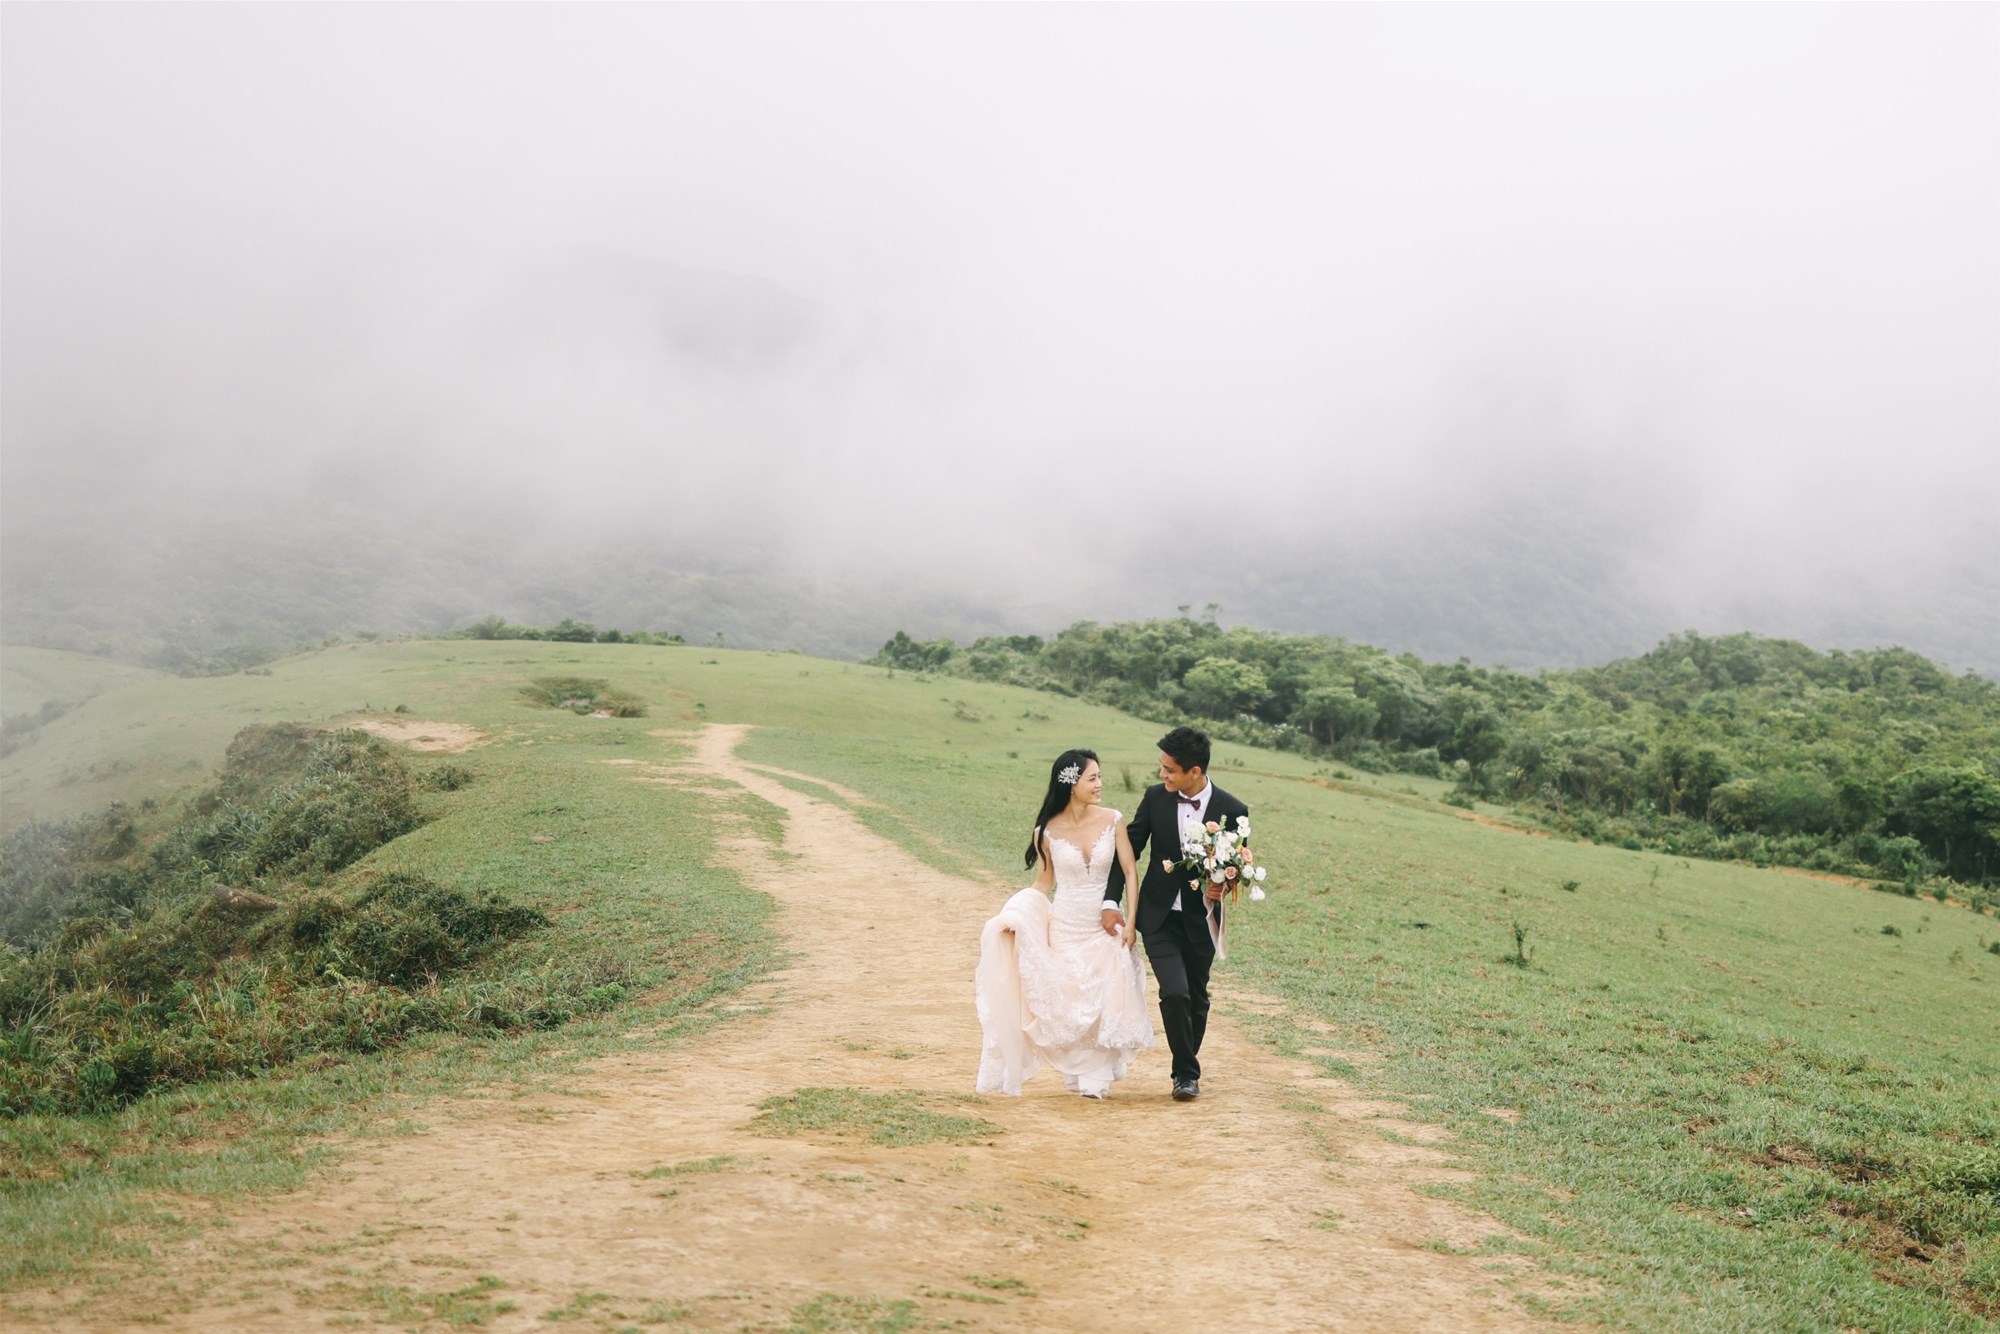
1878	763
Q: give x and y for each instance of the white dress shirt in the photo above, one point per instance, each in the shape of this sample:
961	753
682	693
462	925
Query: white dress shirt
1191	818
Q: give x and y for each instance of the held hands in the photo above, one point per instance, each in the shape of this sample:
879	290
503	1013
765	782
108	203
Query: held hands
1114	923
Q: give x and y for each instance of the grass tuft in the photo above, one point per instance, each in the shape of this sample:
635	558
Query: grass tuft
583	695
831	1313
895	1120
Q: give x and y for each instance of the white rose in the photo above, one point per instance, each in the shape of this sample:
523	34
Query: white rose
1256	894
1260	874
1216	876
1166	863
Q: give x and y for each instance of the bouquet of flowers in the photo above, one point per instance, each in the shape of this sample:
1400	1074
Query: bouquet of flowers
1220	857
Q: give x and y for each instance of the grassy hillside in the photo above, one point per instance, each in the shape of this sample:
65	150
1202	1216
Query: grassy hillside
32	677
1740	748
1724	1097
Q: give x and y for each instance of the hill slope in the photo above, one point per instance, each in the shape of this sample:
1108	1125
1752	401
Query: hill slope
1695	1094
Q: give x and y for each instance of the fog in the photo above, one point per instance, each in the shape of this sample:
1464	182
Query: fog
1527	332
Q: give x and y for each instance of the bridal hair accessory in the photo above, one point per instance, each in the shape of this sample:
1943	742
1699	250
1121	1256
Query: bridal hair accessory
1070	774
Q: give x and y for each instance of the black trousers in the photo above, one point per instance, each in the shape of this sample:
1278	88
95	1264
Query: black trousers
1181	954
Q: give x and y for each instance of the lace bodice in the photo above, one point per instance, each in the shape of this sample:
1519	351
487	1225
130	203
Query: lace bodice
1081	876
1081	866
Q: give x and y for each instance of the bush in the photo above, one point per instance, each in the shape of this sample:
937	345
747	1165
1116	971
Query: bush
568	631
584	695
18	729
331	820
445	778
910	655
1424	763
124	971
201	993
405	929
52	871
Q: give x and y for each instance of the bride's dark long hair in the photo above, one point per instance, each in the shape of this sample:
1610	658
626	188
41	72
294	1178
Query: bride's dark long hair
1058	795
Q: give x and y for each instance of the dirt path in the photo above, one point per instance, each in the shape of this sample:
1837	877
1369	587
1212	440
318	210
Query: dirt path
1275	1202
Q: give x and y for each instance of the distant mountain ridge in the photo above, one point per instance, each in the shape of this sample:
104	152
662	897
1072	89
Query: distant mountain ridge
123	584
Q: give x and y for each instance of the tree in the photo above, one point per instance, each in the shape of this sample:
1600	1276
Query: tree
1403	701
1477	733
1799	801
1332	712
1680	774
1223	687
1737	805
1954	811
911	655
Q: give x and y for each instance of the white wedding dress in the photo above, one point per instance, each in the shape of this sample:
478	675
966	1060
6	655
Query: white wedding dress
1053	985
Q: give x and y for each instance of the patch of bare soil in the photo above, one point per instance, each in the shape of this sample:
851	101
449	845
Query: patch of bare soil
438	738
1282	1200
1831	877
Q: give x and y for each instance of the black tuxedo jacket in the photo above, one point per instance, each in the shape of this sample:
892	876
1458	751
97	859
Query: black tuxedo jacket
1158	823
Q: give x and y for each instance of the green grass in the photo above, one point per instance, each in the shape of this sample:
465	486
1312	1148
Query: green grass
694	1167
629	875
31	677
893	1120
1735	1083
470	1305
1000	1283
1738	1098
832	1313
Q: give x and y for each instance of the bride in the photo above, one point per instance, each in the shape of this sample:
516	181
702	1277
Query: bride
1054	984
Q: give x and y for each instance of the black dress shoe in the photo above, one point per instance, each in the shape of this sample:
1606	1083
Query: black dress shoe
1186	1090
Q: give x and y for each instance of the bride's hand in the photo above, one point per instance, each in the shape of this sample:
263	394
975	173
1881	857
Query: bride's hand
1130	934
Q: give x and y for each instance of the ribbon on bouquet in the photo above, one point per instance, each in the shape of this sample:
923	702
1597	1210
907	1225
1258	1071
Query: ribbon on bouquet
1211	911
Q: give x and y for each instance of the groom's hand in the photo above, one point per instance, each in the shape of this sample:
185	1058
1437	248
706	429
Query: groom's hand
1113	920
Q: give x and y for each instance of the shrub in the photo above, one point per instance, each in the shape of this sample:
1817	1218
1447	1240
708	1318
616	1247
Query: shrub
405	929
445	778
52	871
329	822
125	972
580	694
201	993
911	655
18	729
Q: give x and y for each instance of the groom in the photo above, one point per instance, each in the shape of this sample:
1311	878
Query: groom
1174	918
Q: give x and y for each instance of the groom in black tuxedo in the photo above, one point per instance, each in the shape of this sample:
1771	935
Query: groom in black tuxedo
1172	917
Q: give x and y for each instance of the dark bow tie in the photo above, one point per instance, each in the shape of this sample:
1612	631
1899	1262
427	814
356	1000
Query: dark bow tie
1187	801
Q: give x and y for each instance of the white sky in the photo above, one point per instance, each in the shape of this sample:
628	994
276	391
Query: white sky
1022	284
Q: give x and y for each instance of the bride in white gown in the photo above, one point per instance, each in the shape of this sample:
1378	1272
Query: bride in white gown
1054	983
